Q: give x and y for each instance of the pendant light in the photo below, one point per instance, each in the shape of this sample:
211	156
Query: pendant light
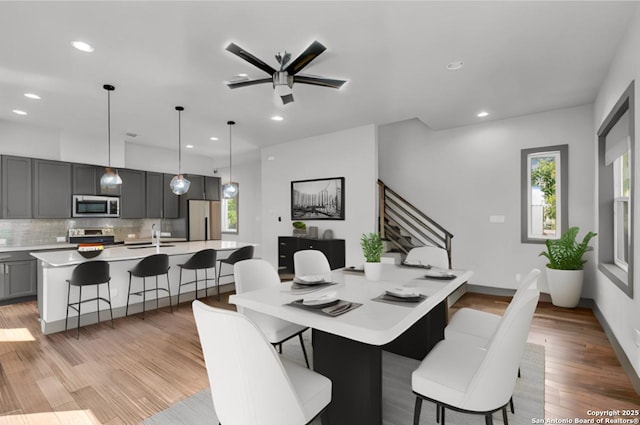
229	190
110	178
179	185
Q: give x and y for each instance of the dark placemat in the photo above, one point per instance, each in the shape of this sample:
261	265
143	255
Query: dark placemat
334	310
354	269
416	266
405	302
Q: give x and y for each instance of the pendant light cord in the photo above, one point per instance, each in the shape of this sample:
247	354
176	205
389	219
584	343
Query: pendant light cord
109	124
179	109
230	123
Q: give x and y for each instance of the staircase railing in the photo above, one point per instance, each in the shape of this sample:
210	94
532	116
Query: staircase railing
406	227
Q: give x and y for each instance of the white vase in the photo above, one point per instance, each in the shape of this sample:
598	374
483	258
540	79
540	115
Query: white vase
565	286
372	271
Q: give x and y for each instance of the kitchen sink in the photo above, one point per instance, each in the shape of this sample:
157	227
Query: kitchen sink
162	245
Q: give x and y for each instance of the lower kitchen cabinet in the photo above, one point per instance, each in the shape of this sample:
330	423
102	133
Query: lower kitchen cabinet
17	275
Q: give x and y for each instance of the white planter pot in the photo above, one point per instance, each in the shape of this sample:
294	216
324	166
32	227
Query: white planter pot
373	271
565	286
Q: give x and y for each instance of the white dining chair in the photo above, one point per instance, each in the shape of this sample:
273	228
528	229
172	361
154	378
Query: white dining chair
478	326
254	274
460	376
250	383
310	262
429	256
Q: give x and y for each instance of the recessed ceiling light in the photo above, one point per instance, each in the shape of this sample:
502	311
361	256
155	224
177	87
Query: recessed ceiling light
130	134
32	96
243	75
482	114
19	112
81	45
189	146
455	65
213	138
277	118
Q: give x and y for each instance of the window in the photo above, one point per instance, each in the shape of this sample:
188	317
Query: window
544	193
230	213
615	193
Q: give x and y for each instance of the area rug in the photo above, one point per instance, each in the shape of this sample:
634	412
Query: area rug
397	398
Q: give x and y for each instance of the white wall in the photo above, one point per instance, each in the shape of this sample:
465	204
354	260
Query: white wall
460	177
351	154
621	312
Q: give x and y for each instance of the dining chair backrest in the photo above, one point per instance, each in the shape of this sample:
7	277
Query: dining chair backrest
249	385
429	256
310	262
253	274
493	384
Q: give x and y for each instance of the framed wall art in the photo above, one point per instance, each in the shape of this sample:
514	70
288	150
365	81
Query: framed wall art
319	199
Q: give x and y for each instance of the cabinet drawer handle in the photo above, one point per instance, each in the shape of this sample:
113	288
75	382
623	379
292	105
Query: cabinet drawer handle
283	256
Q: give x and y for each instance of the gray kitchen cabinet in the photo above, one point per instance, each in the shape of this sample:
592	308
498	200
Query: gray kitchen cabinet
170	201
17	275
155	193
16	187
51	189
85	179
133	194
212	188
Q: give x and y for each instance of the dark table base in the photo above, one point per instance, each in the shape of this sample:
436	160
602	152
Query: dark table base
355	368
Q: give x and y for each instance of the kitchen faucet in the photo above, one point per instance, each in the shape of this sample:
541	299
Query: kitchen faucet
155	234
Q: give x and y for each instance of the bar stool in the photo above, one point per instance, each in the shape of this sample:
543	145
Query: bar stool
244	253
86	274
153	265
204	259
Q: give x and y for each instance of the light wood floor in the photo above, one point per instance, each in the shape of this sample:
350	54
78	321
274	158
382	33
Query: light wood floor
124	375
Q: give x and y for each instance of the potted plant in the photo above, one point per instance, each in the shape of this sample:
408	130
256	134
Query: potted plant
565	268
299	228
372	249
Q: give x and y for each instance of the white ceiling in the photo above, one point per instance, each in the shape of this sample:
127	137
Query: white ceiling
520	58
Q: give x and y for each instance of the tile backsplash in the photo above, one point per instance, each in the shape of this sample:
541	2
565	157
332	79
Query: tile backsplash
46	231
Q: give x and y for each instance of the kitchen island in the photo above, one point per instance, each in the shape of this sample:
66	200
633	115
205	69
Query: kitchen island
55	267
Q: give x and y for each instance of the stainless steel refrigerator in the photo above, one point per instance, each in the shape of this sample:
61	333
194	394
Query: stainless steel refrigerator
204	220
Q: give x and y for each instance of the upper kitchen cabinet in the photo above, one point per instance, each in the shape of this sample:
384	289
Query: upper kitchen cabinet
170	201
132	194
85	179
16	187
51	189
212	188
155	193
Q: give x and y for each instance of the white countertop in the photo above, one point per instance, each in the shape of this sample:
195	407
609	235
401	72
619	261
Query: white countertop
374	322
67	257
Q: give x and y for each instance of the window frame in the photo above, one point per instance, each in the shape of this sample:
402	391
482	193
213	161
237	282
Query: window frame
623	279
224	212
562	191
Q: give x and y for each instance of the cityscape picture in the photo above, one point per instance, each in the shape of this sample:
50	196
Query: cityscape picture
320	199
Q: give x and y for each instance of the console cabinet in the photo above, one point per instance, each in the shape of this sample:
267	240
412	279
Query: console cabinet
333	249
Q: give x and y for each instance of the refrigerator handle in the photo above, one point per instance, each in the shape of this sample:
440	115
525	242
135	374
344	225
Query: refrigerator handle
206	229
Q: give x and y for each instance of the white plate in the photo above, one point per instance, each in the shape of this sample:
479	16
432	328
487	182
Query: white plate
326	298
403	293
310	279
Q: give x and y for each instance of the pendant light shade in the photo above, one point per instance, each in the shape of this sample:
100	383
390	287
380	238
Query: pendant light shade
229	190
110	178
179	185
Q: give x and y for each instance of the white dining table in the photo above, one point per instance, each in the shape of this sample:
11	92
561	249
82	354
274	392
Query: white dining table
348	348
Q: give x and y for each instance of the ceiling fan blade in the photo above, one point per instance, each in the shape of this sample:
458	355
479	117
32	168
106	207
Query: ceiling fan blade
244	83
240	52
305	58
287	98
318	81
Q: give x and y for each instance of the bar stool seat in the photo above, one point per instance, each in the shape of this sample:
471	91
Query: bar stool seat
151	266
90	273
244	253
204	259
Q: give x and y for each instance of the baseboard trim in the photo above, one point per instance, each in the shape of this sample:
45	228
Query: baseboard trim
584	303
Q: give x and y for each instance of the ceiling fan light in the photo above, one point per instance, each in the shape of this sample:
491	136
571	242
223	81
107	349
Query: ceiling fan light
110	178
179	185
229	191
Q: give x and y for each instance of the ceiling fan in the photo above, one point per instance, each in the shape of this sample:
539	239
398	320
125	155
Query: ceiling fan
288	74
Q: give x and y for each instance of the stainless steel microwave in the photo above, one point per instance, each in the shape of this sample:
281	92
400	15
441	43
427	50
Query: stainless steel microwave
96	206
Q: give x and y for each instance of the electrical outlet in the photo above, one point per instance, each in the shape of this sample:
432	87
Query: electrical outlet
3	242
131	236
61	239
496	219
